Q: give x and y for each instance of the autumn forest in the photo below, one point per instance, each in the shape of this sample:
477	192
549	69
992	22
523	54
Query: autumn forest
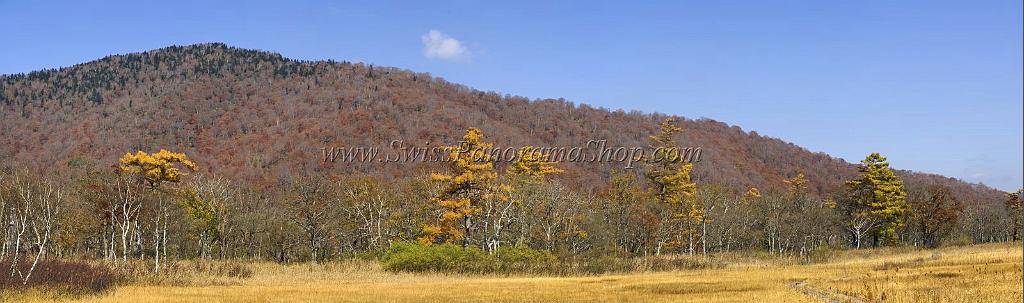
126	168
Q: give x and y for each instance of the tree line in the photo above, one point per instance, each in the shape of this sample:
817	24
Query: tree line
157	207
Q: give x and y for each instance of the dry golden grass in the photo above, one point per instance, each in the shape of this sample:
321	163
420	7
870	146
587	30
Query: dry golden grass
983	273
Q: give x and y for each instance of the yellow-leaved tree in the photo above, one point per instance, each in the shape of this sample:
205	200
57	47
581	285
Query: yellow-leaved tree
468	183
158	167
673	187
154	170
752	194
531	162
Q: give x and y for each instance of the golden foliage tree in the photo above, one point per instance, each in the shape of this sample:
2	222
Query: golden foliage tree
158	167
155	169
670	177
531	162
671	181
470	180
796	186
752	194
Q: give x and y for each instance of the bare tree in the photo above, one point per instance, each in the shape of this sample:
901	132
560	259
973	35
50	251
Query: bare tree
370	207
20	213
205	201
309	209
35	205
125	214
47	206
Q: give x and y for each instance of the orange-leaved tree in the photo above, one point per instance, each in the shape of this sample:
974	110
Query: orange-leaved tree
154	170
469	181
158	167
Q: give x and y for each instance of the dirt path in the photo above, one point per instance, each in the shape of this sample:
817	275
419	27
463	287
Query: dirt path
825	296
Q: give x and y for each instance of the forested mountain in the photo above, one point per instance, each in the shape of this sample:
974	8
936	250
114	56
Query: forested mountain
259	117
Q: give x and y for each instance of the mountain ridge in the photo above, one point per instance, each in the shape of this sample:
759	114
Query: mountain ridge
273	114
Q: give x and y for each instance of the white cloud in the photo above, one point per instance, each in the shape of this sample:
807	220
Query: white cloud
437	45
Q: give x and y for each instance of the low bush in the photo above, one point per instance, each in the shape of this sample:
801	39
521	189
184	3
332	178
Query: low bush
61	275
411	257
447	258
525	260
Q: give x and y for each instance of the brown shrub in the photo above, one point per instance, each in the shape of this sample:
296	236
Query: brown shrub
63	275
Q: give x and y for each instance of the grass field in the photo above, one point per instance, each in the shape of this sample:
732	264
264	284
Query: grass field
983	273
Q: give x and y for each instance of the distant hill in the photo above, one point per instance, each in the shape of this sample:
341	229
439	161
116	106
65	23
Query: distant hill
259	116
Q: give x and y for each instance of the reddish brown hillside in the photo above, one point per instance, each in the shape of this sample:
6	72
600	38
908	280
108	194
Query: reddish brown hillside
259	116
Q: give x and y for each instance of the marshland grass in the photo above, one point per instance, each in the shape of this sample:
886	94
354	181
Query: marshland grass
980	273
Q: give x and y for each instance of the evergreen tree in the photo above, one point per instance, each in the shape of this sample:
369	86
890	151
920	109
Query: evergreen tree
96	97
877	202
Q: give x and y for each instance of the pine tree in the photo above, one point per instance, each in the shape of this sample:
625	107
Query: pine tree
878	202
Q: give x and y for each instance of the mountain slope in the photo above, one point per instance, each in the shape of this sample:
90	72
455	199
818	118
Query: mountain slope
258	116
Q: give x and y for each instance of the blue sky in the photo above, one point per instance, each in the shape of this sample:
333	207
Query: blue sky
933	85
